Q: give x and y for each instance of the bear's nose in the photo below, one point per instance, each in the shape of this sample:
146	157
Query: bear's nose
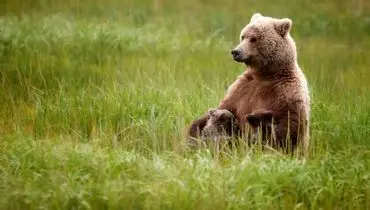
235	53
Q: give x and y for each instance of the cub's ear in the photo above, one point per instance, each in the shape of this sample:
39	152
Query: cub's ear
253	120
283	26
267	116
255	16
226	115
212	111
257	118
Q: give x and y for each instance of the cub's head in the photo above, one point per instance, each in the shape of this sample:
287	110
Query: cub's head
265	41
220	122
260	120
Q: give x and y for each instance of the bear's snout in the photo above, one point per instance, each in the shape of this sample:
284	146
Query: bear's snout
237	55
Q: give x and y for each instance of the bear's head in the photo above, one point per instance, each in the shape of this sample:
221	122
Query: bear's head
265	41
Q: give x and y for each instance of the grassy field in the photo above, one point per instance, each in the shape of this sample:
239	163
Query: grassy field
96	96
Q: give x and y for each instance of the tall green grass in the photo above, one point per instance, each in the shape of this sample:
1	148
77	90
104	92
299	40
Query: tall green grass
96	96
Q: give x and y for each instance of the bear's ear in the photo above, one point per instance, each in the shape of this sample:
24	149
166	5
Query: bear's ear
255	16
283	26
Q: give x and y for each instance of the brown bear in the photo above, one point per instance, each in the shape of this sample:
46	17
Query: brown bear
273	81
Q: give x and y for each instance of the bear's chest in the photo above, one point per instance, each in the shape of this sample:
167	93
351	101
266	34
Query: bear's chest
248	94
255	95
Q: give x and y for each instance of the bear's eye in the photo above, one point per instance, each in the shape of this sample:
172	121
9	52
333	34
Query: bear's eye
242	37
253	39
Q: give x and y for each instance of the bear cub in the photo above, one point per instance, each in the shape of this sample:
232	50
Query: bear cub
261	123
221	122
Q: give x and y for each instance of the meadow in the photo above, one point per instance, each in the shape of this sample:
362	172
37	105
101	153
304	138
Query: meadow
95	97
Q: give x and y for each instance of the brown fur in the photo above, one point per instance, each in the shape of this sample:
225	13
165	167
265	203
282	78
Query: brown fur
272	81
